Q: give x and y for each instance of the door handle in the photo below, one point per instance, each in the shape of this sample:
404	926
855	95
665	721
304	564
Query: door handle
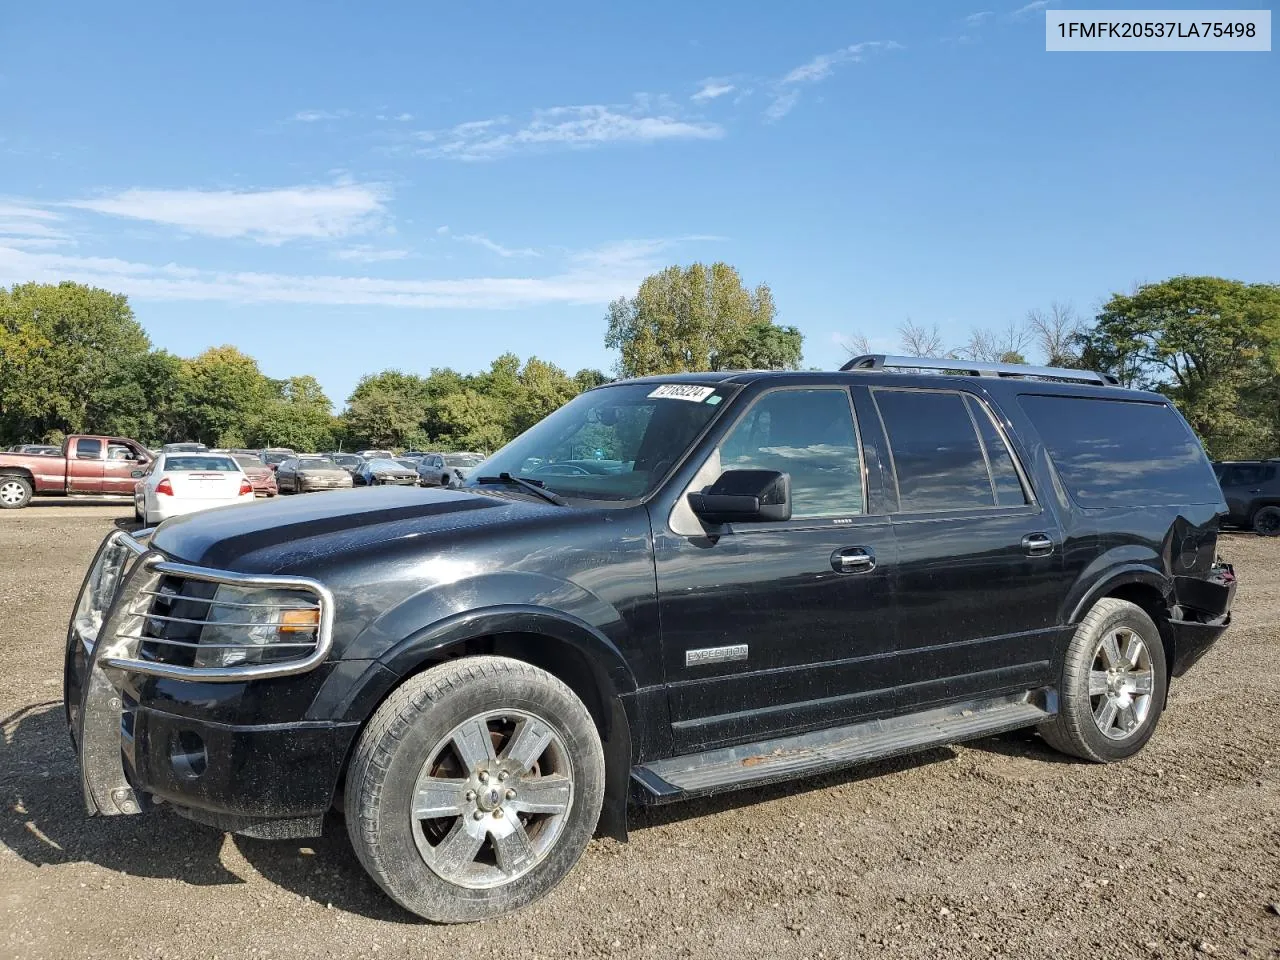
1259	490
1037	545
853	560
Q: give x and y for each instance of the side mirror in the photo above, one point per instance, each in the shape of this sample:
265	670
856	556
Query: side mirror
136	474
745	496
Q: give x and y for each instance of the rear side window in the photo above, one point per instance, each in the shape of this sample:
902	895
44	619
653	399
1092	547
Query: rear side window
88	449
1122	453
1246	474
1004	475
939	459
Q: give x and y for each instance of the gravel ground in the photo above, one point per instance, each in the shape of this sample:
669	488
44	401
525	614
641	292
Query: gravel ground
995	849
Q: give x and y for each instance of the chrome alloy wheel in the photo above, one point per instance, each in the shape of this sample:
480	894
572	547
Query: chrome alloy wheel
492	799
1121	683
11	492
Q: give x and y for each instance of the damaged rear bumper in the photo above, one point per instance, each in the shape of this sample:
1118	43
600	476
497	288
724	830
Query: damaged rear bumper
1201	615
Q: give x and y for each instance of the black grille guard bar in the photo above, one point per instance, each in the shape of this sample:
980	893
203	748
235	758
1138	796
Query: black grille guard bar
114	655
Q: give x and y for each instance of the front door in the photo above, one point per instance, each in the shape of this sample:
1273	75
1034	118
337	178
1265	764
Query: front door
978	582
774	628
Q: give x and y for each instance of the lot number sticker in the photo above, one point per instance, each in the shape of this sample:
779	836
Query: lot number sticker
682	391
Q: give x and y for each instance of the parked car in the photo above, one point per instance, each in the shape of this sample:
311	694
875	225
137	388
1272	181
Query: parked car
1252	492
446	469
792	573
382	472
375	454
175	484
349	462
260	475
37	449
86	466
412	455
272	457
184	448
307	474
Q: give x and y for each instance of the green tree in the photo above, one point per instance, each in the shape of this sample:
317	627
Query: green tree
472	421
387	410
300	417
221	394
698	318
66	352
1210	344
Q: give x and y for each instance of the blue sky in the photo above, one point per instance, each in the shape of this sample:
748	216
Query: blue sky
338	189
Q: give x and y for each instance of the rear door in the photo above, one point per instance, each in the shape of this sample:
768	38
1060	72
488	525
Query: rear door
978	580
773	628
1242	483
85	465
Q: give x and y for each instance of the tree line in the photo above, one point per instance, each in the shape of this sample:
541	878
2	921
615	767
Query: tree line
73	359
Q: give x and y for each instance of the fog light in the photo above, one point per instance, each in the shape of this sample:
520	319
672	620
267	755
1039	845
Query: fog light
187	755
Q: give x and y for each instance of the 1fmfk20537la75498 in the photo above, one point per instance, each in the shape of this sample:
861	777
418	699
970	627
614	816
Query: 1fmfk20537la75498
669	587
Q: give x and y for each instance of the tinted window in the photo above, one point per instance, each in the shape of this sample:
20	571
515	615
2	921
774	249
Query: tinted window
1004	475
178	462
935	449
89	449
1122	453
1245	474
808	434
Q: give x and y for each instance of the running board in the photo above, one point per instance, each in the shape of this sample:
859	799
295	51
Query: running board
784	758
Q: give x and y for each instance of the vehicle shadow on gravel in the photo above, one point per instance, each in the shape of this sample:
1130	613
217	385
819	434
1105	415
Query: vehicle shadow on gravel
44	823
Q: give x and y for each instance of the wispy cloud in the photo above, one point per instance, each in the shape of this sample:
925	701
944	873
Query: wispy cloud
1031	7
481	240
267	216
787	89
362	253
575	127
25	225
315	116
975	19
590	277
711	89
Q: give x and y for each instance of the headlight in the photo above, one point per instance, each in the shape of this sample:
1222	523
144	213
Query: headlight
248	625
100	589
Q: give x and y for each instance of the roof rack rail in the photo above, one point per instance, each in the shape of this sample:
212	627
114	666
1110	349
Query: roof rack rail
972	368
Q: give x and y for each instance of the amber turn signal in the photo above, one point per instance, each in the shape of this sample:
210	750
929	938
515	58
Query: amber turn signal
299	621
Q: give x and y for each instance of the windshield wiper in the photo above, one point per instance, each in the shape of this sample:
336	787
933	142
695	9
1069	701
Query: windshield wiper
533	486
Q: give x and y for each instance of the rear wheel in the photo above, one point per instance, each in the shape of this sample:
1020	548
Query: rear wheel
15	492
1113	685
1266	522
475	788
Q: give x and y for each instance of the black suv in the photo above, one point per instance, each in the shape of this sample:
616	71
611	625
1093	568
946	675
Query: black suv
1252	492
671	586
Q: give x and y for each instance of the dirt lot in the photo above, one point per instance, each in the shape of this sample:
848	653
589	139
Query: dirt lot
999	848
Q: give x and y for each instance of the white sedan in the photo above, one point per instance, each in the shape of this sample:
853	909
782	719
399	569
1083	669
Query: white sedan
178	483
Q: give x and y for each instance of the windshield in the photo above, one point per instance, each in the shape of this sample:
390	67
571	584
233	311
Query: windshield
180	463
611	443
248	462
316	463
346	460
384	464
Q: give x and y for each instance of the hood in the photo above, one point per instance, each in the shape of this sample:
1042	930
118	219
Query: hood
284	534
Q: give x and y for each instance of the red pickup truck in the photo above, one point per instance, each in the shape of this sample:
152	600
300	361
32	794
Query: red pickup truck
89	466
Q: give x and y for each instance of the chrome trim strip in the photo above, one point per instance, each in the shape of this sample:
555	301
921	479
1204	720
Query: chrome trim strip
705	655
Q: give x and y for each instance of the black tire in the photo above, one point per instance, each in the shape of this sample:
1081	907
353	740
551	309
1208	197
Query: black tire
1074	730
1266	522
15	491
407	731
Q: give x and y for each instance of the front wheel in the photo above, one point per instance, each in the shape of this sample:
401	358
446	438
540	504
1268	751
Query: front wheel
1112	687
475	788
1266	522
15	492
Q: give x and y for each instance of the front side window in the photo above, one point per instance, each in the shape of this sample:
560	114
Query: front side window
810	435
937	455
616	442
